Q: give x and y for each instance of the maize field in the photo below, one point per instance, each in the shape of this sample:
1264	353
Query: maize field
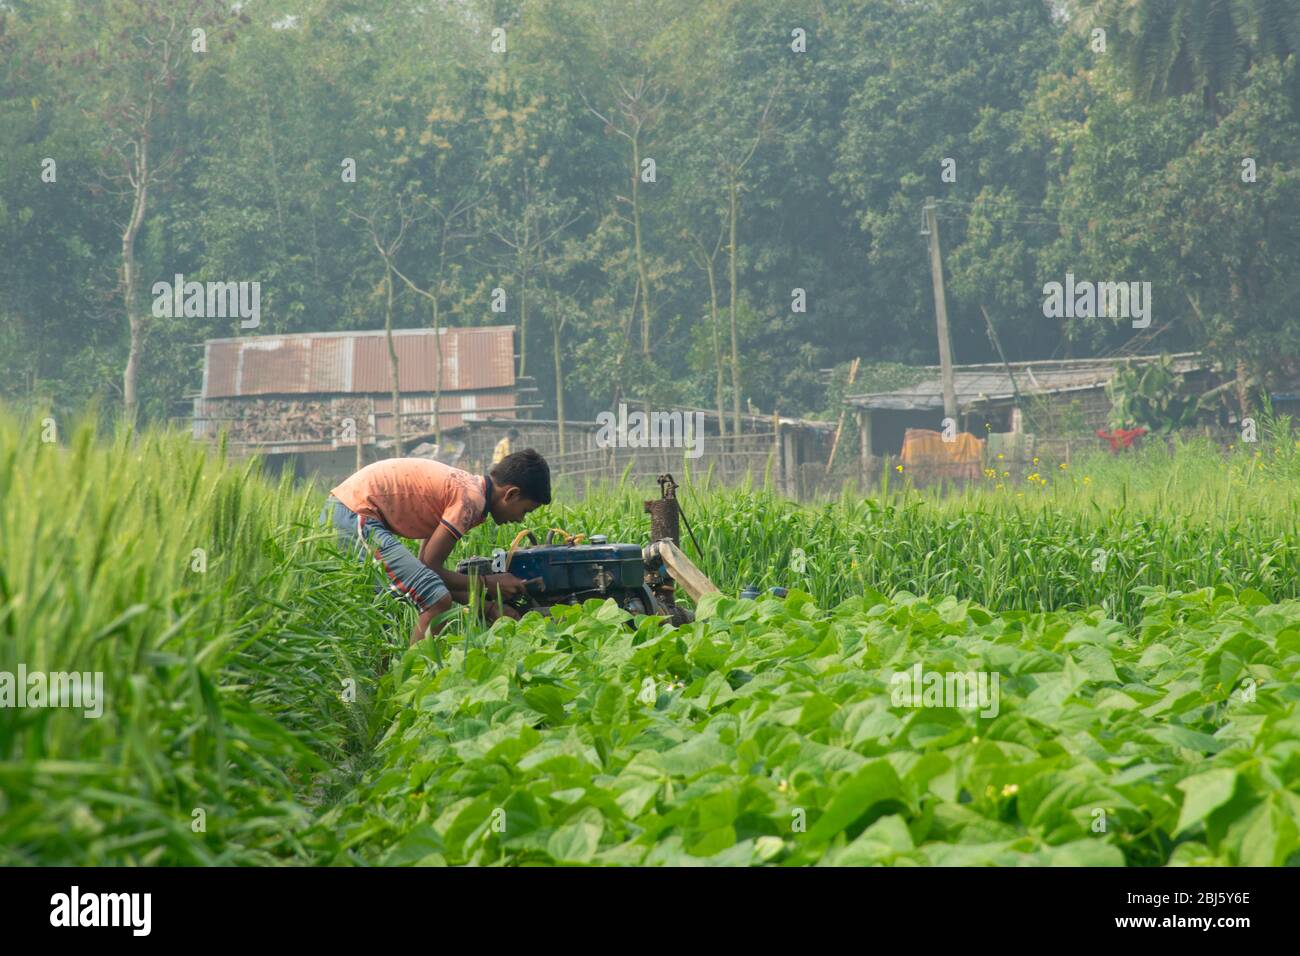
1122	637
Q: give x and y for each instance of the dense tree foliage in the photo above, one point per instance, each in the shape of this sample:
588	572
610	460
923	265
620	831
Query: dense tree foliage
702	201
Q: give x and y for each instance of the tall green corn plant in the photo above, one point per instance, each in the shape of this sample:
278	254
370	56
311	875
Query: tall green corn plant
177	577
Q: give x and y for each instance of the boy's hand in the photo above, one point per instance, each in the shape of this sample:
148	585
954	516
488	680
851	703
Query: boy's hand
493	611
509	585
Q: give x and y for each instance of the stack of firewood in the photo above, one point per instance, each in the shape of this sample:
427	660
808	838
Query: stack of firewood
281	421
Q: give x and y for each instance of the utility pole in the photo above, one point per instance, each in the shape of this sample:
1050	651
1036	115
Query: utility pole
931	229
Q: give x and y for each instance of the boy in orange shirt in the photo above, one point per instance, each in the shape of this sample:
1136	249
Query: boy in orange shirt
436	504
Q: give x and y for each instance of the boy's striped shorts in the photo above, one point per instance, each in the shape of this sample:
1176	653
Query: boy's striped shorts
369	537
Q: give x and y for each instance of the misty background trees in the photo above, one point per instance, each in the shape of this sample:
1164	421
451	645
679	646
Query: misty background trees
640	187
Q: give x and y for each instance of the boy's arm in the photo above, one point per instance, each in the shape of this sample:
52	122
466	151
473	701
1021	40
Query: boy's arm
426	554
434	552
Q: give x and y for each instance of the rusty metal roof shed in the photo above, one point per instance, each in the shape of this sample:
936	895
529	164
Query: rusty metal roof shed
345	363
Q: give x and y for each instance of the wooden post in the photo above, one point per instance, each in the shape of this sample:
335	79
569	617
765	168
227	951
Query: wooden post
941	312
372	421
791	469
864	438
777	457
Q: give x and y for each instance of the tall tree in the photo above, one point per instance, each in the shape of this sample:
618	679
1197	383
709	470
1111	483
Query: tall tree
525	214
705	256
1202	211
127	62
932	113
633	114
1208	50
50	236
453	229
423	164
386	228
736	104
1171	48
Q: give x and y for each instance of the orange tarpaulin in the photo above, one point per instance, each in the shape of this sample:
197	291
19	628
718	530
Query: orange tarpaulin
926	450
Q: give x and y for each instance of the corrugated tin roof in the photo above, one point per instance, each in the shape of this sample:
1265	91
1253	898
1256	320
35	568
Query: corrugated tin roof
357	362
982	383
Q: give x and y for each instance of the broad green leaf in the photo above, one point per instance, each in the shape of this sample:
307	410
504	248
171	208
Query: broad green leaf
874	783
576	841
1204	793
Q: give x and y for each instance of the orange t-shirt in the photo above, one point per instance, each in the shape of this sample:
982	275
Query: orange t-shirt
412	496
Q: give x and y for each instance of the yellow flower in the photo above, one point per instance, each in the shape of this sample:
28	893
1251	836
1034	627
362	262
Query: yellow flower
1087	480
999	456
1010	790
1035	461
1006	474
1063	467
898	468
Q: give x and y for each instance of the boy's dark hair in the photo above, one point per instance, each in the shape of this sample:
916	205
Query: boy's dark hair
528	471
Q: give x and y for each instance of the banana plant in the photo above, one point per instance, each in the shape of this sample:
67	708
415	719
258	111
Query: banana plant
1152	395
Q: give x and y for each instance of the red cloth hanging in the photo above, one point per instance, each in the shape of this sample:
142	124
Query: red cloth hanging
1121	438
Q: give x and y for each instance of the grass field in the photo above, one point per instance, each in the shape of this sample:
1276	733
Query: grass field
1139	615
